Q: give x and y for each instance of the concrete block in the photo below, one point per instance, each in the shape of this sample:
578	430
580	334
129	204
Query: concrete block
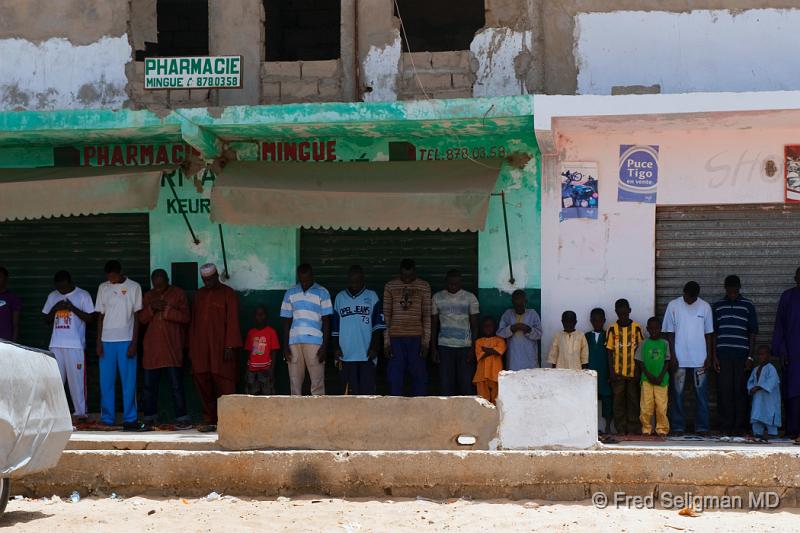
320	69
281	69
542	408
139	68
199	95
463	80
157	97
635	89
271	90
453	93
351	422
137	89
421	61
180	95
434	81
299	89
330	89
458	60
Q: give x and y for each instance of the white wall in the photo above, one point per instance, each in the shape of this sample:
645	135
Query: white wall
684	52
56	74
588	263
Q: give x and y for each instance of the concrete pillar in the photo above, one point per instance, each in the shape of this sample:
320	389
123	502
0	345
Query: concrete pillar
378	49
144	23
349	60
236	27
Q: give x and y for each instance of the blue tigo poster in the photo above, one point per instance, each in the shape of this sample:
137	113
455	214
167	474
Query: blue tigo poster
638	173
579	191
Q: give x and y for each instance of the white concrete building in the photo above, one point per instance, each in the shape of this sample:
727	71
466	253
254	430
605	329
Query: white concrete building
720	205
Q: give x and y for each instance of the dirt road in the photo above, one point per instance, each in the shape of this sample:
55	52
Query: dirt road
363	515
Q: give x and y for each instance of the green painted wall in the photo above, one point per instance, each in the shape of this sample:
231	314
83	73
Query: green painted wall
263	258
259	258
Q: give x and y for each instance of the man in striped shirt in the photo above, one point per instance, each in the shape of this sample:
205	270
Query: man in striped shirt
736	327
623	339
306	316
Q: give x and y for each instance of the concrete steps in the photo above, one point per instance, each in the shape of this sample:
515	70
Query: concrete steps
547	475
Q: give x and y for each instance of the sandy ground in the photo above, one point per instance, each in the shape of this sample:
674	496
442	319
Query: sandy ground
362	515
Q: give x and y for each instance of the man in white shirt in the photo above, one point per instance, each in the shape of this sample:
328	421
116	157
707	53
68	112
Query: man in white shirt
68	309
689	328
119	301
454	323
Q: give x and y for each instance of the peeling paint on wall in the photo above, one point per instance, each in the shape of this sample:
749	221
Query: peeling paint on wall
704	50
500	51
56	74
248	272
381	67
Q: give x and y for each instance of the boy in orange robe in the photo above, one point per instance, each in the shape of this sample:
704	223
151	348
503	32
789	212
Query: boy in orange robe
489	350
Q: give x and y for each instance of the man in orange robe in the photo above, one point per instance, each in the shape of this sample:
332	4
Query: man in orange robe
165	314
214	337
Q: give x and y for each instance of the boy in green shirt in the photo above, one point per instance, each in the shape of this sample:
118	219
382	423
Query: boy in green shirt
652	359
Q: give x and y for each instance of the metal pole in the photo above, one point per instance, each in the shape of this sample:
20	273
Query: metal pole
511	279
177	201
226	275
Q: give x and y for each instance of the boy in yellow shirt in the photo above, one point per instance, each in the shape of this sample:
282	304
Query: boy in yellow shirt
622	339
569	349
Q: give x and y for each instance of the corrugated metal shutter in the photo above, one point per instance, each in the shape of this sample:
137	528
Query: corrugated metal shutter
331	252
34	250
759	243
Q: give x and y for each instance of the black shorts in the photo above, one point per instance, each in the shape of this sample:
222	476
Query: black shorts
259	383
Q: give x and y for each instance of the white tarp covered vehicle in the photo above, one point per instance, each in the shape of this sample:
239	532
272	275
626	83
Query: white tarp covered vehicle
35	422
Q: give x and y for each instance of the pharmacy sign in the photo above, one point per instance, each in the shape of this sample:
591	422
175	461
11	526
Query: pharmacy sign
205	72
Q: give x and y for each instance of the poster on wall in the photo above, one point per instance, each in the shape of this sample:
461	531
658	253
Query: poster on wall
791	166
579	192
638	173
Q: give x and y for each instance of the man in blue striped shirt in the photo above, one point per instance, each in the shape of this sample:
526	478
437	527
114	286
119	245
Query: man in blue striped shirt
306	316
736	326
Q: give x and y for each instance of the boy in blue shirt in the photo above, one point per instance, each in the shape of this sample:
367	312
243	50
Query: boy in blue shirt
357	317
764	386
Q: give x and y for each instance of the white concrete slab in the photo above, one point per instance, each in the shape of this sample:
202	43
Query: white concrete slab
547	408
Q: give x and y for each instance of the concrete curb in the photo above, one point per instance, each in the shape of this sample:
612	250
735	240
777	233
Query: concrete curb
547	475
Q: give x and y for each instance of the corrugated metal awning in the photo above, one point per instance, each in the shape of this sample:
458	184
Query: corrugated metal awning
62	191
441	195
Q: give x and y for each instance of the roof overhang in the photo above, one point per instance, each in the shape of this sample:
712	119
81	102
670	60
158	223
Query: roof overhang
209	130
662	112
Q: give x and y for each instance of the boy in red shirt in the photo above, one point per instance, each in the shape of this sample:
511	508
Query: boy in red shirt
262	346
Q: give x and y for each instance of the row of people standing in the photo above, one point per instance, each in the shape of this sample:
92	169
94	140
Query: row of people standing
409	316
210	331
634	373
120	309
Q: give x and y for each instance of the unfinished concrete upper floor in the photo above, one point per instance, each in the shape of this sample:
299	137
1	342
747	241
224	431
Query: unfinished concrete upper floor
60	54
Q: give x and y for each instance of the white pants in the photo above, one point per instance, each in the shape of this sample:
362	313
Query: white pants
305	356
72	365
